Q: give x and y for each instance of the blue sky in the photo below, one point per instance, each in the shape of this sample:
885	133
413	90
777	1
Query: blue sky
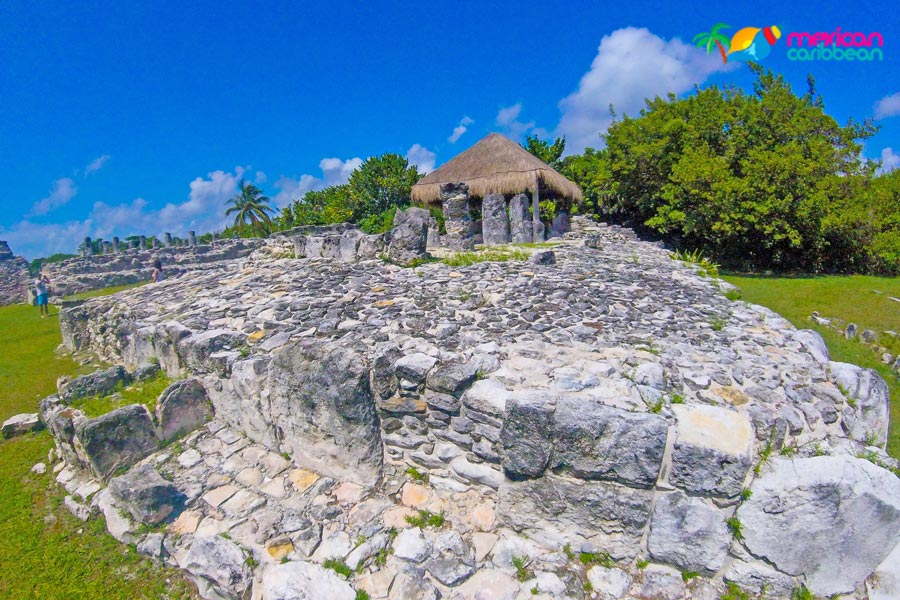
124	118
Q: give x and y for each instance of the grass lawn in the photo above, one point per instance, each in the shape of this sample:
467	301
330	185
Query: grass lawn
44	551
858	299
104	291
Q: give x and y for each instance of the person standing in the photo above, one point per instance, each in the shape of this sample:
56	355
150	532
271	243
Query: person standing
157	271
42	291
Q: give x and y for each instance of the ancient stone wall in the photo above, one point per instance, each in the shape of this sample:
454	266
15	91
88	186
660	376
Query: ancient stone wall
13	277
609	402
135	265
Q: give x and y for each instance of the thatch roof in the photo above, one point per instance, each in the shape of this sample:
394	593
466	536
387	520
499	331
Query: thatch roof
495	165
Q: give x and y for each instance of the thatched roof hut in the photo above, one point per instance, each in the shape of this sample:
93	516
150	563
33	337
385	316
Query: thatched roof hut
496	165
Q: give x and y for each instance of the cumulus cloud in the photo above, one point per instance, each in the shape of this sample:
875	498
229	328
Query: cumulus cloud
508	120
631	65
63	190
96	164
888	106
889	160
43	239
460	129
334	172
422	157
260	178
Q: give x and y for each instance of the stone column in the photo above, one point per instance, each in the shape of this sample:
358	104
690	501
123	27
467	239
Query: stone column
192	239
87	251
143	242
455	204
155	243
168	239
115	244
520	225
495	220
134	244
107	248
560	225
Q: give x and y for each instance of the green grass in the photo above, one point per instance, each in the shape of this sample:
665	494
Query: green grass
860	299
465	259
104	291
44	551
141	392
426	518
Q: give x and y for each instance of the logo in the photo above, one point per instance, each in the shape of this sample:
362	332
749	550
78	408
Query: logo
749	43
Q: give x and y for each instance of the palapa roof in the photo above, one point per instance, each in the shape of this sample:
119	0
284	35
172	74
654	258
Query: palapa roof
495	165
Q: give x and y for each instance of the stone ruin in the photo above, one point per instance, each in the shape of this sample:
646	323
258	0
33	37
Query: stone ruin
501	222
121	265
603	424
13	277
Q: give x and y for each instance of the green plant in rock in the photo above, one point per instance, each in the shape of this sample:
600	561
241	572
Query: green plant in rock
802	593
746	493
734	592
597	558
567	550
688	575
426	518
642	563
717	323
872	439
417	475
251	561
677	399
736	528
733	295
465	259
789	450
362	595
656	407
764	455
520	564
338	566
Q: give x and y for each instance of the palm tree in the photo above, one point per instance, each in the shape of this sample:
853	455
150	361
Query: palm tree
706	40
250	206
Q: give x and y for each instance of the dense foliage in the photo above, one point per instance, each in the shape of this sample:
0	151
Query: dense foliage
376	189
762	180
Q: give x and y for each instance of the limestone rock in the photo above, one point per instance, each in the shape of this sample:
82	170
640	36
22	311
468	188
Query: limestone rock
116	440
181	408
520	219
323	403
609	582
712	453
594	441
98	383
415	367
452	378
525	446
412	545
813	343
885	582
148	497
870	393
455	203
688	533
830	518
21	424
495	220
304	581
218	567
409	237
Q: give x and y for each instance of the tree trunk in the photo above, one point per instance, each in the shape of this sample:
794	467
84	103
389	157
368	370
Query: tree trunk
722	51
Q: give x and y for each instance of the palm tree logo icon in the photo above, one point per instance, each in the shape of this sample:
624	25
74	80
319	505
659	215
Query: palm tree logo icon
706	40
749	43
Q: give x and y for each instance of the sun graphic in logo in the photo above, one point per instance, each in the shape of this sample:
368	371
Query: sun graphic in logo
749	43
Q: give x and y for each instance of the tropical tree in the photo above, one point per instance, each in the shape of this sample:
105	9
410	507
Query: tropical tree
548	152
380	184
250	207
713	37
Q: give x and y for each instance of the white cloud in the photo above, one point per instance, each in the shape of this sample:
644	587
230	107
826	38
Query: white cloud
631	65
460	129
334	172
888	106
38	239
96	164
508	120
63	190
889	160
260	178
422	157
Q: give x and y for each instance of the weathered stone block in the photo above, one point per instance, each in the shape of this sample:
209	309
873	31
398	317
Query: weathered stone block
218	567
452	378
689	533
495	220
21	424
181	408
870	393
525	440
594	441
409	237
98	383
520	219
830	518
116	440
148	497
712	453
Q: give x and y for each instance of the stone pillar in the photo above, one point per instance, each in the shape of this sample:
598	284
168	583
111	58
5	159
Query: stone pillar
434	235
455	203
520	225
495	220
155	243
134	244
143	242
87	251
107	247
192	239
560	225
168	239
115	244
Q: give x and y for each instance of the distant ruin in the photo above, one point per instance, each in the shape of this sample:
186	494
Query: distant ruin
13	277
